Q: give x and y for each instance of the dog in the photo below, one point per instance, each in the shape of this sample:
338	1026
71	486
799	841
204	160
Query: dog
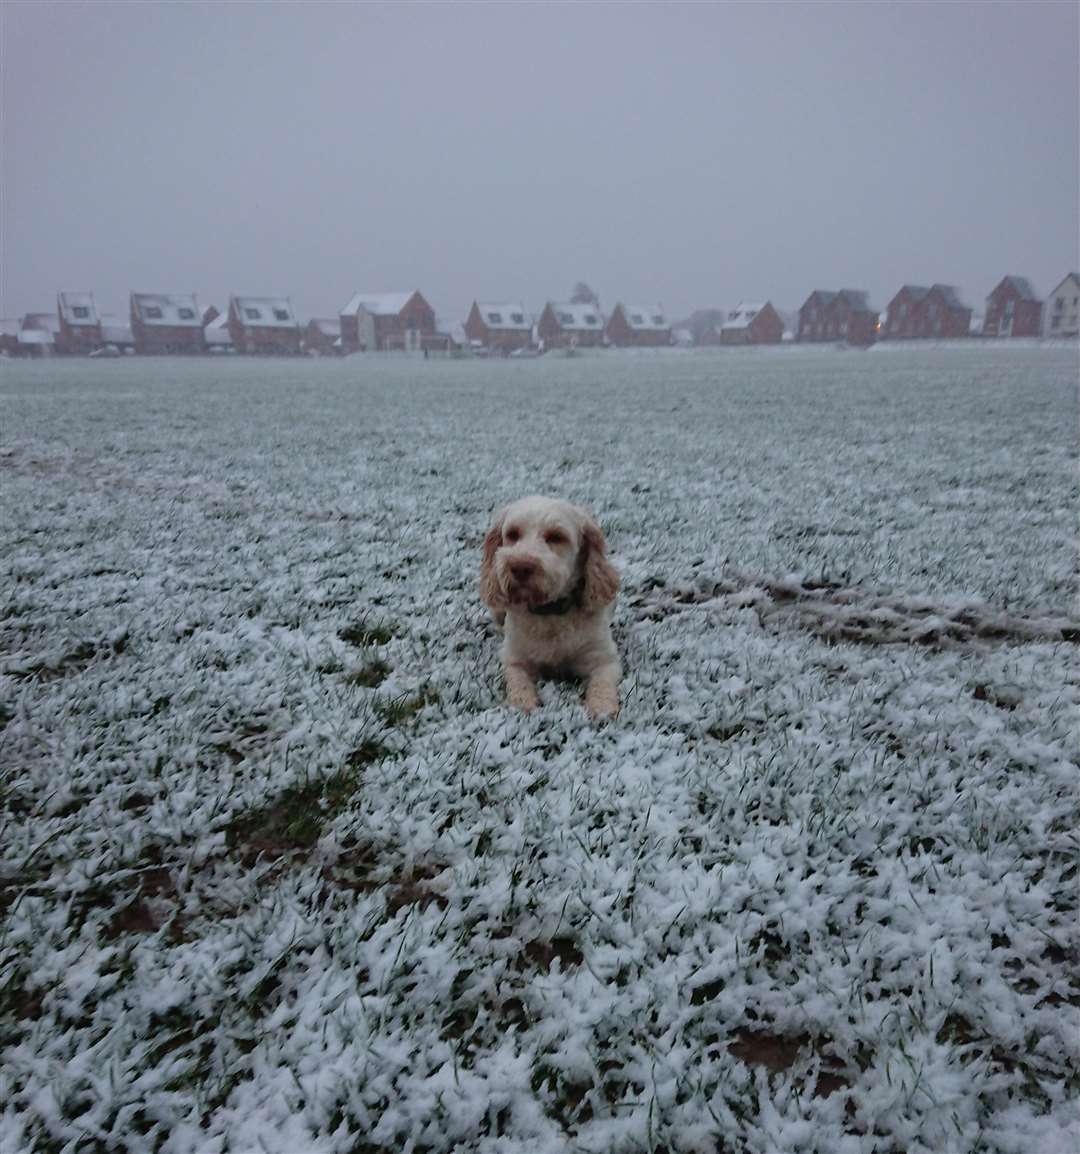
546	578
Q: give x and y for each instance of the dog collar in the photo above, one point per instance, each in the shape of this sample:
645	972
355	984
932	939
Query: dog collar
561	607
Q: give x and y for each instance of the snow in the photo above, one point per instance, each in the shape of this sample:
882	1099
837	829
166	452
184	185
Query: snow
173	309
813	890
378	304
67	303
265	312
742	315
501	315
583	317
646	318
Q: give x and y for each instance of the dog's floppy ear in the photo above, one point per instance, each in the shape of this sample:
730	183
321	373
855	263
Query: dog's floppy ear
490	591
601	579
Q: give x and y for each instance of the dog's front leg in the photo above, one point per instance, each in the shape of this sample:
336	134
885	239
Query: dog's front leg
521	687
602	690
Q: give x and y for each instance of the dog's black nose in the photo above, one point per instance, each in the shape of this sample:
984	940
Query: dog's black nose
522	570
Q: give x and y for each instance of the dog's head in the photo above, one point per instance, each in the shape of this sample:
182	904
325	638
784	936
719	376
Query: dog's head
539	550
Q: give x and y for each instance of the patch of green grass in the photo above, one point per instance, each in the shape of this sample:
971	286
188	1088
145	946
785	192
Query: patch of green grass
365	632
398	710
373	674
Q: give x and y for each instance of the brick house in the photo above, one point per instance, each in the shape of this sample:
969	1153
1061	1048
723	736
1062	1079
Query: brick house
1063	308
570	326
844	315
1013	309
9	337
918	313
749	324
166	323
323	335
501	327
80	325
265	326
381	322
638	326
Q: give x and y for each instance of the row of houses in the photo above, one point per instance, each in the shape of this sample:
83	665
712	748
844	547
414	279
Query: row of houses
170	323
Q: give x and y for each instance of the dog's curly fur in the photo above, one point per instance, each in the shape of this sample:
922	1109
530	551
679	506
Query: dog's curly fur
547	580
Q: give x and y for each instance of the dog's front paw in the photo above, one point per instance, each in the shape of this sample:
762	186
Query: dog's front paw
602	704
526	702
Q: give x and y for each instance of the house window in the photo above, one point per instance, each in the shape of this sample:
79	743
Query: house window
1055	322
81	312
186	314
902	310
637	319
281	314
1059	304
658	320
813	314
152	313
566	319
518	318
590	319
252	314
494	318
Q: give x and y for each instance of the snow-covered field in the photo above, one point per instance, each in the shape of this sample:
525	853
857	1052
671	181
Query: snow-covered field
280	872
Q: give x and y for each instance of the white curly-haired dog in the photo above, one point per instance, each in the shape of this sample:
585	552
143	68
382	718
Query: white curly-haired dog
547	580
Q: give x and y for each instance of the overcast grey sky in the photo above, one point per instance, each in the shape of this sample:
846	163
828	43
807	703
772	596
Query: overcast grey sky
692	154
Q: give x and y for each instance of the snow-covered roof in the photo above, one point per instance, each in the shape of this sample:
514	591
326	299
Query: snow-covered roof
743	314
586	317
328	326
648	318
34	337
1023	288
265	312
78	308
504	315
116	332
378	304
217	332
49	322
174	309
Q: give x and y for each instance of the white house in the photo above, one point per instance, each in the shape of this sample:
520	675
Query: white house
1061	313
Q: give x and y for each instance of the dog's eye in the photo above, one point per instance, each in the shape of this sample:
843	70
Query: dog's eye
512	536
556	537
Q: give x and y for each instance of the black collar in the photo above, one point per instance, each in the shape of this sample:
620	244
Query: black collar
561	607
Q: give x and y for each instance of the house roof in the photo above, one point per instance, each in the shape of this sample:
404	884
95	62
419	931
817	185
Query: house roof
217	332
915	291
951	295
265	312
1072	276
1023	288
378	304
69	302
34	337
584	317
178	310
825	296
741	317
858	300
504	315
328	326
49	322
645	318
116	332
